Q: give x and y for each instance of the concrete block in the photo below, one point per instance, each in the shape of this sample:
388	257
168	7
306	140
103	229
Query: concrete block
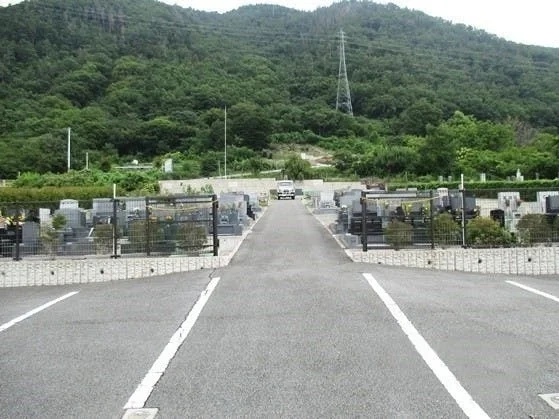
177	264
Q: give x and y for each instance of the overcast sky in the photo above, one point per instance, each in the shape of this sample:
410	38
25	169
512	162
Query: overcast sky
529	22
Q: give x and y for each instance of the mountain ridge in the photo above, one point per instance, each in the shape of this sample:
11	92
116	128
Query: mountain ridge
142	78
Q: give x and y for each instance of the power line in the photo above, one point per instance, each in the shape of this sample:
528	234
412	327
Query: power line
471	63
265	36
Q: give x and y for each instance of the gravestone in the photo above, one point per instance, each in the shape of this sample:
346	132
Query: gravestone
233	208
135	207
508	201
442	201
75	217
552	204
498	215
68	203
30	234
542	199
102	207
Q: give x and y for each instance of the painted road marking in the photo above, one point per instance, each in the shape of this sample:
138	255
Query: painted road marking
535	291
35	311
140	414
551	399
142	393
445	376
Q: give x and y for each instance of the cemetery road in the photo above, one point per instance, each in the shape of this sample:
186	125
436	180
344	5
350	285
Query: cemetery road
291	328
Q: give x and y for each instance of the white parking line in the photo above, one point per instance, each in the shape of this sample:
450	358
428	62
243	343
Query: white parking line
35	311
445	376
535	291
142	393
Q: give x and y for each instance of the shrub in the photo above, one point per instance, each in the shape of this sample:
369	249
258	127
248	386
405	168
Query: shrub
49	194
139	238
103	238
534	228
445	229
399	234
483	231
191	237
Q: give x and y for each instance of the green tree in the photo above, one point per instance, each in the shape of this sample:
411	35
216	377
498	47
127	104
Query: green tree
384	161
210	163
344	160
249	126
83	85
50	235
134	79
296	168
157	136
414	119
254	165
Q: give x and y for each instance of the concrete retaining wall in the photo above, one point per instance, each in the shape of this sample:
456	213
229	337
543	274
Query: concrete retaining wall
249	185
62	272
514	261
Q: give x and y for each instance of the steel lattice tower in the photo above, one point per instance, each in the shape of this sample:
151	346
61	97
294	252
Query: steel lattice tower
343	97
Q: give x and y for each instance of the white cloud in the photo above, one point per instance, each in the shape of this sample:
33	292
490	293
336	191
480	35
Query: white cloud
519	21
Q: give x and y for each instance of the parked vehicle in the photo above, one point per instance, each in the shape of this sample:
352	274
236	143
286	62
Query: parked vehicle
286	189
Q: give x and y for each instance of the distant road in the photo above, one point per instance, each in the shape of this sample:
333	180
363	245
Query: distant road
291	328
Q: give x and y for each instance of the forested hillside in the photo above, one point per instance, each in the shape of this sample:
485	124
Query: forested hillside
138	79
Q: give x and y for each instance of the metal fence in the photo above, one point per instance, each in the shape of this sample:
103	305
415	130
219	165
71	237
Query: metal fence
442	217
146	226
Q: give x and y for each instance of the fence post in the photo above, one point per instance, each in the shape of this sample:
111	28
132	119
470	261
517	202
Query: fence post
17	235
463	193
115	229
148	229
215	206
432	217
364	220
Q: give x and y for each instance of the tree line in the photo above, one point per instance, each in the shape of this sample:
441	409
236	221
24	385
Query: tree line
138	79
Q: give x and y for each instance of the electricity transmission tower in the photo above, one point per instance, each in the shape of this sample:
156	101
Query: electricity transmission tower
343	97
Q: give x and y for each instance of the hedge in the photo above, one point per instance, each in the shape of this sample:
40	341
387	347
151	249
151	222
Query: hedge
496	185
48	194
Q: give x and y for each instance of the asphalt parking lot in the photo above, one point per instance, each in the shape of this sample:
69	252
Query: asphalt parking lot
291	327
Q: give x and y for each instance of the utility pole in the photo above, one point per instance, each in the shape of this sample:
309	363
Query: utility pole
225	134
69	148
343	97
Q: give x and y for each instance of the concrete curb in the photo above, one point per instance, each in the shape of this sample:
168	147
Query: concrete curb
511	261
62	272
